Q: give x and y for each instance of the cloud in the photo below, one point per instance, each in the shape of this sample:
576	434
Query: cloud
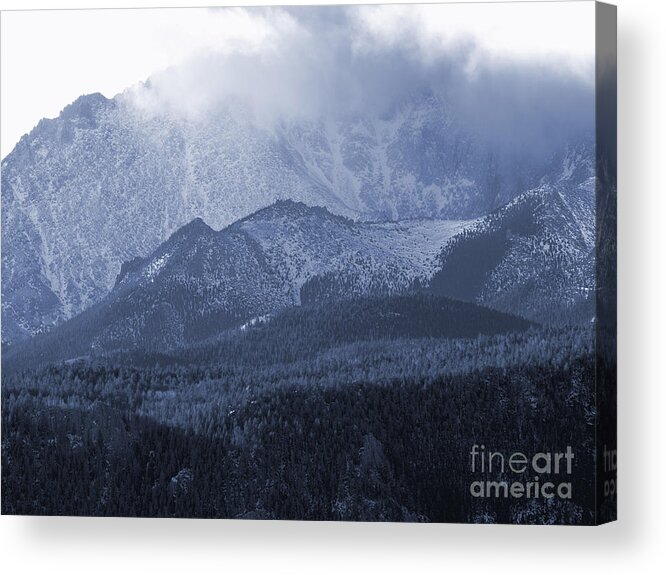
504	69
548	34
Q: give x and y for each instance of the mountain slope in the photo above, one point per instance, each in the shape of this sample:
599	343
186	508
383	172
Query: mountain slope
533	257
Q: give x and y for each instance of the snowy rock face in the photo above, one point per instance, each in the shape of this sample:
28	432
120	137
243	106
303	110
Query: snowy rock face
106	182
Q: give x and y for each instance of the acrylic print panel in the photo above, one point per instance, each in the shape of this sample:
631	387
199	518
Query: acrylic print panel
320	263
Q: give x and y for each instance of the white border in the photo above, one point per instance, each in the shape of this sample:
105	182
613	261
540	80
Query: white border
634	544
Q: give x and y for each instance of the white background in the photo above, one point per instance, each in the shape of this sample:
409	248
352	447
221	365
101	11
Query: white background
636	543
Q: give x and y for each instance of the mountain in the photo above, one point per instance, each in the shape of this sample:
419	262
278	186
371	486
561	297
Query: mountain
108	180
533	257
201	282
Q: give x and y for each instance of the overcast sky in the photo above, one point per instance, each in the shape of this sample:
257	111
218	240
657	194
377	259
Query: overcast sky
49	58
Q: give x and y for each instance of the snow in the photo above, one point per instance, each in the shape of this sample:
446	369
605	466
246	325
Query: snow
253	322
155	266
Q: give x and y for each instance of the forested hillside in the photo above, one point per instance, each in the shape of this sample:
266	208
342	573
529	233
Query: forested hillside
308	415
